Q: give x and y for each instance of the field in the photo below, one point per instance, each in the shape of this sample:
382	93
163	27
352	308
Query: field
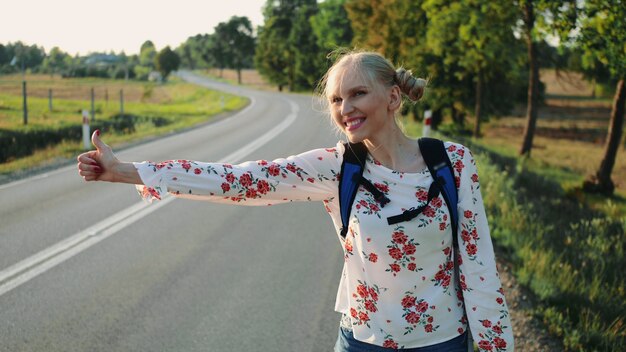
150	109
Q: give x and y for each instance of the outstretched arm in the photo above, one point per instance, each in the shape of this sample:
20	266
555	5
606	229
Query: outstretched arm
102	165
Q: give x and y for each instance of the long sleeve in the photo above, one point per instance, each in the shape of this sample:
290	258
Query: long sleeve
310	176
485	304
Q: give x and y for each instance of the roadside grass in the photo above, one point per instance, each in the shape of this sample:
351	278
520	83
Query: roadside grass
150	109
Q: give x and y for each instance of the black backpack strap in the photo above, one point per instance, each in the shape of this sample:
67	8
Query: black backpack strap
436	158
351	172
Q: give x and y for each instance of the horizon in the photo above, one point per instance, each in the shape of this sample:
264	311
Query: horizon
67	24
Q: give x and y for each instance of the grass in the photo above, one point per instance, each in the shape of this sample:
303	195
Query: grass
177	105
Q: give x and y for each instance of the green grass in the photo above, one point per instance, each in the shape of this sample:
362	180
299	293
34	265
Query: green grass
176	105
568	249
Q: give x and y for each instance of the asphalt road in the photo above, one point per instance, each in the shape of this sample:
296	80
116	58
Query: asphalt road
89	267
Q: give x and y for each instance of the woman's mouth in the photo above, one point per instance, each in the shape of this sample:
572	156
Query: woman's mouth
352	125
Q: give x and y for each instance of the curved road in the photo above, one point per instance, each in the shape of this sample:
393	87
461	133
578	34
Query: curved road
89	267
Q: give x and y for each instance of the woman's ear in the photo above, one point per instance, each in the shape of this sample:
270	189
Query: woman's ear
395	98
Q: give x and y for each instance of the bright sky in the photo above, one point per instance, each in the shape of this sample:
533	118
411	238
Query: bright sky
79	26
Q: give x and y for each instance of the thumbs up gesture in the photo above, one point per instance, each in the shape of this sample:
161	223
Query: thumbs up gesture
100	164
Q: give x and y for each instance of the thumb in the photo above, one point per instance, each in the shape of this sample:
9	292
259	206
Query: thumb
97	142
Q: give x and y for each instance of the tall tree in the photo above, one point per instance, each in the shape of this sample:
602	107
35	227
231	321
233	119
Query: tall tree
538	18
331	25
308	61
55	61
234	43
166	61
602	37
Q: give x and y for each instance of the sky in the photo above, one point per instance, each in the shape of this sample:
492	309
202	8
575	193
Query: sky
80	27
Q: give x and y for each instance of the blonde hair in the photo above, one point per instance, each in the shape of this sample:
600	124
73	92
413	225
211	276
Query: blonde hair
375	68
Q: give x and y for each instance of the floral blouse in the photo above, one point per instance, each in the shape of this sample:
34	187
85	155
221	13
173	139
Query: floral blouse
398	286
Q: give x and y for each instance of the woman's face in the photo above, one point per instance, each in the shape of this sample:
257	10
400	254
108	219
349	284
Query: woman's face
360	108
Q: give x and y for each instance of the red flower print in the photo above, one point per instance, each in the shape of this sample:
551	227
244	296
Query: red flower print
497	329
474	233
371	306
382	187
461	152
353	312
459	330
263	186
186	166
409	249
475	177
363	317
485	345
465	236
292	167
363	203
373	294
429	211
348	246
422	195
362	291
245	180
451	148
446	281
412	318
499	343
230	177
486	323
471	249
442	226
251	193
411	266
373	258
499	300
408	301
430	319
262	162
390	344
468	214
225	187
437	203
399	237
428	328
395	267
459	165
446	251
273	170
395	253
197	171
422	306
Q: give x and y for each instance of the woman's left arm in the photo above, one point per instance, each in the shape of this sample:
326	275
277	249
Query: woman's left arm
486	308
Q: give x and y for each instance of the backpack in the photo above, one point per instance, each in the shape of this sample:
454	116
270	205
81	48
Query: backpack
440	168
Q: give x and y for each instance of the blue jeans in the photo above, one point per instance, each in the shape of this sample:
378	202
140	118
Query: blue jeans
347	343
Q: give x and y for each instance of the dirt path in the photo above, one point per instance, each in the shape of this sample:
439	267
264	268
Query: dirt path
530	333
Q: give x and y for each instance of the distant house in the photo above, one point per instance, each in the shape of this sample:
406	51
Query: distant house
155	76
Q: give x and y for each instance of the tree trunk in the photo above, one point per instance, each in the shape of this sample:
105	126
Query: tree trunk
533	81
239	75
478	106
601	182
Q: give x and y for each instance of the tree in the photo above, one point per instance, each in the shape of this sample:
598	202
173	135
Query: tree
55	61
539	17
308	63
602	37
234	44
146	60
166	61
331	25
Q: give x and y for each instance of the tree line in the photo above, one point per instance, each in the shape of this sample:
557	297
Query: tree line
482	57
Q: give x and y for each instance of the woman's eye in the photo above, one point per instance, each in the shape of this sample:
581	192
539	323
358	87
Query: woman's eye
359	93
335	100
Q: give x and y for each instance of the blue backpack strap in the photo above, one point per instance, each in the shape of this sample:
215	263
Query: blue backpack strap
436	158
351	172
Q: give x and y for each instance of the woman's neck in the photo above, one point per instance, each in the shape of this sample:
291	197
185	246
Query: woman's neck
396	151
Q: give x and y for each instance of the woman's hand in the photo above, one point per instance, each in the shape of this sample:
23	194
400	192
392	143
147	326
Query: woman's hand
100	164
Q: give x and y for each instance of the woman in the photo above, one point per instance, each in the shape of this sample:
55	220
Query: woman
397	290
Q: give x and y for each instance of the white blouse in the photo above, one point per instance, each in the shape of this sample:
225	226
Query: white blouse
398	283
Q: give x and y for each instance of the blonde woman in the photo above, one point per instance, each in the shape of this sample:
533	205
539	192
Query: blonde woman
398	290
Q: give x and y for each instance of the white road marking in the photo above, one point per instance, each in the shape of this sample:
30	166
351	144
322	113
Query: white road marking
56	254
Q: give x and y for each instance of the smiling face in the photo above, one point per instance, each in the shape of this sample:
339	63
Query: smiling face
362	108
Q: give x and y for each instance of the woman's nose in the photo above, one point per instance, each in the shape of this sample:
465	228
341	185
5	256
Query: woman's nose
346	107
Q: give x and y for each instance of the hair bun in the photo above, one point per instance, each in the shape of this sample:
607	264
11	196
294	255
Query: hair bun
412	87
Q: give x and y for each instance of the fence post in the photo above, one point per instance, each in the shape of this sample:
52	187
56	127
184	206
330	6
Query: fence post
86	144
121	101
428	114
25	108
50	99
93	110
